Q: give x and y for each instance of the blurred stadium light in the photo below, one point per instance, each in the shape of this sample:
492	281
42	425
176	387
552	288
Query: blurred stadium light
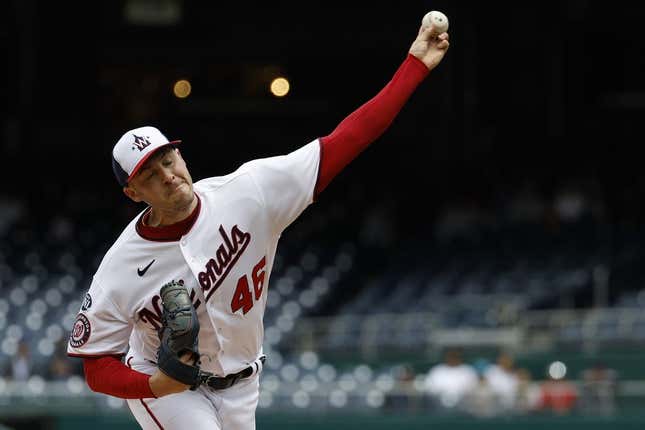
153	12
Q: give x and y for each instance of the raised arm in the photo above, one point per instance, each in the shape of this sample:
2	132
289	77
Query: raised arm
369	121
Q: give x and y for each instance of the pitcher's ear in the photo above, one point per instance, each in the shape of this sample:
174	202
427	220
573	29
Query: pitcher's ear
132	193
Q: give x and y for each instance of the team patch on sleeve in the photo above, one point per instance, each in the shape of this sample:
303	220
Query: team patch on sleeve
80	332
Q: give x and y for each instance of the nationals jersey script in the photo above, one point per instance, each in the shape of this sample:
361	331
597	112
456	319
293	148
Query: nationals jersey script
224	261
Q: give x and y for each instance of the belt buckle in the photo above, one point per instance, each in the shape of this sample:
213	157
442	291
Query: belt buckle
218	382
230	380
207	377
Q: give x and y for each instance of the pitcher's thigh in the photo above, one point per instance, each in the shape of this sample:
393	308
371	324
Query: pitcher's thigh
237	405
188	410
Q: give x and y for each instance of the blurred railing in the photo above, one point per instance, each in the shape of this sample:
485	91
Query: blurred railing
381	393
367	335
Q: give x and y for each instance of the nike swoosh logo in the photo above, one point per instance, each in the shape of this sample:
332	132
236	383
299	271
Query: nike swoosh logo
143	271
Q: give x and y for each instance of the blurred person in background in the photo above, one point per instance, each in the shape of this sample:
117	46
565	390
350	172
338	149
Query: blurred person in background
482	401
60	367
529	392
503	380
404	397
449	381
557	393
21	365
598	391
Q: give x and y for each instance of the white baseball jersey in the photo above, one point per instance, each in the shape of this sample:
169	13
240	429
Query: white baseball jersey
224	261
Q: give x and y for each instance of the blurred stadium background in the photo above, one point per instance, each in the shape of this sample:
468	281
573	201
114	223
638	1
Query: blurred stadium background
482	264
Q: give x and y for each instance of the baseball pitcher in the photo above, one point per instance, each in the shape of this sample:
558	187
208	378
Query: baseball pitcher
172	320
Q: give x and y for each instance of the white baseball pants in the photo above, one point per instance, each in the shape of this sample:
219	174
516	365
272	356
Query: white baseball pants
202	409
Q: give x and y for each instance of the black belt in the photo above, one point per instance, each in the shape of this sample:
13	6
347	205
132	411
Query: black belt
223	382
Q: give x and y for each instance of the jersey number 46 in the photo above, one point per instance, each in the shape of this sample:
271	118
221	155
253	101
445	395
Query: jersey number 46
243	297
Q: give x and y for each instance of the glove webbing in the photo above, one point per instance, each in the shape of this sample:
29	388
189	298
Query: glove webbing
182	372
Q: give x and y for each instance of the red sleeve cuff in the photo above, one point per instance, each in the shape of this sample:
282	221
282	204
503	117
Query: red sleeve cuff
417	64
109	375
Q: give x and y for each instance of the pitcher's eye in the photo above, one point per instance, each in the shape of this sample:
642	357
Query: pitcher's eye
167	160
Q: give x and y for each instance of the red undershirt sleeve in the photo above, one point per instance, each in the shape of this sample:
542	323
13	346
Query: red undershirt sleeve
109	375
368	122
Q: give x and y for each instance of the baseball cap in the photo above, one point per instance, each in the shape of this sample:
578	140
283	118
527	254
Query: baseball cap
134	148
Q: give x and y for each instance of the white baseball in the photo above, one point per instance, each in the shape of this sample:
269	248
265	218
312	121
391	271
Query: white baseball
436	19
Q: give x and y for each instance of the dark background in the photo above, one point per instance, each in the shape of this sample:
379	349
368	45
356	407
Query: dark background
532	93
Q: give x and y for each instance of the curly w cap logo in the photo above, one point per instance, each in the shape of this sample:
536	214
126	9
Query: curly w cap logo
140	142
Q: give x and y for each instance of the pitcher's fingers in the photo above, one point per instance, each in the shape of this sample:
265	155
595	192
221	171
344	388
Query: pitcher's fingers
428	33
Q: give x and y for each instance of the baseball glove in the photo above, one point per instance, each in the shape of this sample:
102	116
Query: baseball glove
178	335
